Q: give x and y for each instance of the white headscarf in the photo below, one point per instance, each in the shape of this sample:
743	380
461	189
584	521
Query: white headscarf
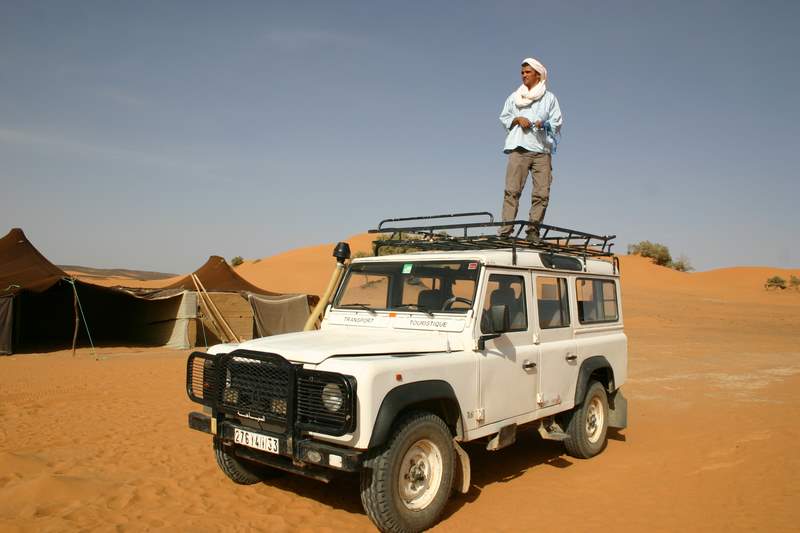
523	96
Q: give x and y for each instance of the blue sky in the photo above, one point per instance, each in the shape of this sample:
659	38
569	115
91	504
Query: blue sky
151	135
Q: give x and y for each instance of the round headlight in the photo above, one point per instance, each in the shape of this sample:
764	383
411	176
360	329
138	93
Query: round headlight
332	397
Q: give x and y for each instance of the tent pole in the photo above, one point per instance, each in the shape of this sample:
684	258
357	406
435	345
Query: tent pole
214	306
207	309
77	320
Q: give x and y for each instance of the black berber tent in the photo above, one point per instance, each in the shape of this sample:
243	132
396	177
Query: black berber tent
39	306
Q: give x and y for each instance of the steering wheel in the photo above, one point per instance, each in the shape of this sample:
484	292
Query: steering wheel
450	301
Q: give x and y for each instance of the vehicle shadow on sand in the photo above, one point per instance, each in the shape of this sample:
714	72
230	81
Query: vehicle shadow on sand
529	451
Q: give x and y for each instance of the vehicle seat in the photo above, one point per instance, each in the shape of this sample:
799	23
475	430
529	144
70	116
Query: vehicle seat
431	299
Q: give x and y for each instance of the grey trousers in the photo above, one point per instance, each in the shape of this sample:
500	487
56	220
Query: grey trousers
519	165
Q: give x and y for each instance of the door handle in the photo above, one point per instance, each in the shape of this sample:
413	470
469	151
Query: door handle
528	365
572	357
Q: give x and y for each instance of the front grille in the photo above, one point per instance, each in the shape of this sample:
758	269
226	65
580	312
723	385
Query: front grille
325	402
256	386
269	390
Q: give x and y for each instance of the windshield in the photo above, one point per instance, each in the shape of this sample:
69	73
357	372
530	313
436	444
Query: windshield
424	286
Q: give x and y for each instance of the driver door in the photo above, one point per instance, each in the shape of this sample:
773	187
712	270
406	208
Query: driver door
509	363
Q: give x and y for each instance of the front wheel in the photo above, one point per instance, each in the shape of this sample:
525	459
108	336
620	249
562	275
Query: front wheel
588	424
239	470
406	483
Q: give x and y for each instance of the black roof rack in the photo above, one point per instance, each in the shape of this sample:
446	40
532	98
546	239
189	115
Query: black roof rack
424	233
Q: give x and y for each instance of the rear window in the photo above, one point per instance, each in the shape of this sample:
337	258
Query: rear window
597	301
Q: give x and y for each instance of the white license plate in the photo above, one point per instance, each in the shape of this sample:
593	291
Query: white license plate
255	440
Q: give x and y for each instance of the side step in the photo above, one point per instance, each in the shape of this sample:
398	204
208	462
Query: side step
552	431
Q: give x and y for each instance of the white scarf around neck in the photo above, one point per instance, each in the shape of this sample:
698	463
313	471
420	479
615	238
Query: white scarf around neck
524	97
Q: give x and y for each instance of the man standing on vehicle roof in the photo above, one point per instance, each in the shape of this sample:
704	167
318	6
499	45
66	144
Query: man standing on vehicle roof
532	118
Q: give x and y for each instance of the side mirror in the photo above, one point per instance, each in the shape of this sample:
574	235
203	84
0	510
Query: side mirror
499	318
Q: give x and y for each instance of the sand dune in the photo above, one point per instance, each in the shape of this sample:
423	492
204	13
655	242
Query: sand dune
711	445
305	270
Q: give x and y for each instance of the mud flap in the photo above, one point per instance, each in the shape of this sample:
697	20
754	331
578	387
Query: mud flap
463	472
617	410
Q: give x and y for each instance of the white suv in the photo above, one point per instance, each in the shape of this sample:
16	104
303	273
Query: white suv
468	339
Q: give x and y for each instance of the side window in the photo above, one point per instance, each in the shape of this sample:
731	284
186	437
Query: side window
597	301
552	302
508	290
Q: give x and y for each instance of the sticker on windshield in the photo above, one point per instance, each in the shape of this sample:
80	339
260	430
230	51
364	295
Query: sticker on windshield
472	266
407	268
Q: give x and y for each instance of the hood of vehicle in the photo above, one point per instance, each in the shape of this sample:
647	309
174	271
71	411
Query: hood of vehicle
316	346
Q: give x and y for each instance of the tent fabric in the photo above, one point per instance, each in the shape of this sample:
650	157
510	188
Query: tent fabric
162	321
6	323
187	312
284	314
216	275
22	267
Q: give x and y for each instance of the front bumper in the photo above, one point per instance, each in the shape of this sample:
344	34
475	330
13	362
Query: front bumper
304	456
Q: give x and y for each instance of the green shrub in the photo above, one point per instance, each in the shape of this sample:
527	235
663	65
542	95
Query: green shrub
775	282
681	265
392	250
236	261
794	282
655	251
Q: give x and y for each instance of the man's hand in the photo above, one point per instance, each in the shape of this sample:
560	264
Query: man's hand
538	124
522	121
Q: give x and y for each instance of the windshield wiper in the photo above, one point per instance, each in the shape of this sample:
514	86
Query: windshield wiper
419	307
365	307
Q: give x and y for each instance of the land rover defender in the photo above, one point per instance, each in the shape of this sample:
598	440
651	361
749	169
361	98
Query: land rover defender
456	339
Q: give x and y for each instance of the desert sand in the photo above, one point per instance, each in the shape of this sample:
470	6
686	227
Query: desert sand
712	443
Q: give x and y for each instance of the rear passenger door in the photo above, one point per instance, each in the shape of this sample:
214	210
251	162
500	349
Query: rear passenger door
558	355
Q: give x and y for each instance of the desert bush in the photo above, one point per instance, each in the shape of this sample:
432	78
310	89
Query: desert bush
775	282
794	282
681	265
236	261
655	251
391	250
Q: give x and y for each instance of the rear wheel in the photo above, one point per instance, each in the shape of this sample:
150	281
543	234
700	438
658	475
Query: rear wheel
240	470
406	483
588	424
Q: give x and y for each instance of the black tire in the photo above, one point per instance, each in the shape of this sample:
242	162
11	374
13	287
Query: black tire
588	436
240	471
395	509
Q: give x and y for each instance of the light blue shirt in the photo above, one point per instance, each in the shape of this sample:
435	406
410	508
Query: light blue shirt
545	109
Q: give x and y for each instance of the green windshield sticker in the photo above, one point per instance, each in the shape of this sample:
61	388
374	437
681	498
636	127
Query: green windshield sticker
407	268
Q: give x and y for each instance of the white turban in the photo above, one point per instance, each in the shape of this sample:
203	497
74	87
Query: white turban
537	66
